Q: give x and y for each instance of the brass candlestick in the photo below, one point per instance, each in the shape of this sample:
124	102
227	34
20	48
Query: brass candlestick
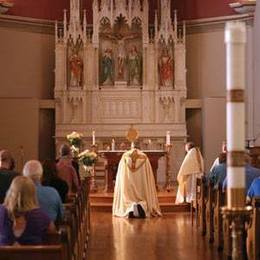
168	184
93	184
237	219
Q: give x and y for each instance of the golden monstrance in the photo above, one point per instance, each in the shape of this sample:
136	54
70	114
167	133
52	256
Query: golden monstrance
132	135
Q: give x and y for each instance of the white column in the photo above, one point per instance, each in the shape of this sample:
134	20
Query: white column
235	39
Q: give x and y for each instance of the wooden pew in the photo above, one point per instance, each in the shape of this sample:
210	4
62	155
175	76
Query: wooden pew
253	233
77	220
219	199
200	203
210	212
57	250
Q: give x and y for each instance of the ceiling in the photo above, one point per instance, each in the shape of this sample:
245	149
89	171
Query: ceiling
187	9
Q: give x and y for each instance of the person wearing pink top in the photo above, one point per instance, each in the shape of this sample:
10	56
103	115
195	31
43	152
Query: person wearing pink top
65	169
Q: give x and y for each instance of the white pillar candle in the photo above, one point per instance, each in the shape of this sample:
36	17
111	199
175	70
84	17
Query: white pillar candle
113	145
168	138
235	39
93	138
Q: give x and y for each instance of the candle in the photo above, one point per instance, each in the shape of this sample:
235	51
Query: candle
93	138
235	39
168	138
113	145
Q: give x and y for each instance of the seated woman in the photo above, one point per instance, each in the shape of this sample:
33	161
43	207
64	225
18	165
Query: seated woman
21	219
135	192
50	178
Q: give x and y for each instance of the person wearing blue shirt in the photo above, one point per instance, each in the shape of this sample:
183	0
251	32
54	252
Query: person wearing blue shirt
49	199
251	174
218	172
254	189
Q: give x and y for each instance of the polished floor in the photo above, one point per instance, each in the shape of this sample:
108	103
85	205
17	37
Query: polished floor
168	237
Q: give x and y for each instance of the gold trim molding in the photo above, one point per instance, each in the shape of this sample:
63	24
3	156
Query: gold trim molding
235	95
236	158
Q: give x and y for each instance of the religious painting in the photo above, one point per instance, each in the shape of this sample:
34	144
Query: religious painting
120	53
106	56
166	65
75	63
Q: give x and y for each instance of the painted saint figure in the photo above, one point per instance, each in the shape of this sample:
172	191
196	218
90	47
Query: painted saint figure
107	65
76	68
134	66
121	54
166	69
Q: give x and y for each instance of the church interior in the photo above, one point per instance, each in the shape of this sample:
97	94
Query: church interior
145	113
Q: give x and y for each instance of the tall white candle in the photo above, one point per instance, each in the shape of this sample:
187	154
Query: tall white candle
168	138
93	138
235	39
113	145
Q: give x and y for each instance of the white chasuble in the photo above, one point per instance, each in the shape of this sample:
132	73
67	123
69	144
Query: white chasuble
135	184
191	168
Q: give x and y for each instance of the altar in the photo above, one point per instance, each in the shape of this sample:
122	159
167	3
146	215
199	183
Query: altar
118	70
113	158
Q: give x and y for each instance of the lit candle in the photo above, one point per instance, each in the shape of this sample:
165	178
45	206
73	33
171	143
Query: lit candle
168	138
93	138
113	145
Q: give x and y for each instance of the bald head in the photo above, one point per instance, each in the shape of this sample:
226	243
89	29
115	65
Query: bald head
33	169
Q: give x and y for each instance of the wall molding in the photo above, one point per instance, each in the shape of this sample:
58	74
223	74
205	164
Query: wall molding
216	23
47	26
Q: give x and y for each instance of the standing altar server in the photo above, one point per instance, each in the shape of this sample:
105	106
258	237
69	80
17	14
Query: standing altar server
191	168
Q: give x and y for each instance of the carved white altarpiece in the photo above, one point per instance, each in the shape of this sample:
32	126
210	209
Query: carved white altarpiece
119	71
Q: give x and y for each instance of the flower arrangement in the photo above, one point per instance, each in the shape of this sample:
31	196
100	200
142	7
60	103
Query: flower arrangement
74	139
88	158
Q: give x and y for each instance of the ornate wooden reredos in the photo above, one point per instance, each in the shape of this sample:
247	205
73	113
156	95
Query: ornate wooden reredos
120	71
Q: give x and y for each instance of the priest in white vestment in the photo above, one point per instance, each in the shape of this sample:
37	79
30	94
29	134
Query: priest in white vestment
191	168
135	185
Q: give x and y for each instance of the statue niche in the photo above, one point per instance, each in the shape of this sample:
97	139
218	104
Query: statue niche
120	58
75	63
166	65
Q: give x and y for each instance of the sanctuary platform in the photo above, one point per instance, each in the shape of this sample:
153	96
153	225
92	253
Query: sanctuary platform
102	201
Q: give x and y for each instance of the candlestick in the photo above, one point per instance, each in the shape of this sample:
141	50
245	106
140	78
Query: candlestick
236	215
168	138
235	39
93	138
168	183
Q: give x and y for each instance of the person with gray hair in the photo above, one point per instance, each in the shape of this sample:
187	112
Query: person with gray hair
7	173
49	199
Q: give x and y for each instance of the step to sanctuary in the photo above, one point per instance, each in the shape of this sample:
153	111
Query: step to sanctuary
101	201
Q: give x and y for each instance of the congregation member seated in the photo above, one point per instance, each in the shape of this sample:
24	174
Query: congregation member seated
21	219
254	189
50	178
7	172
218	173
219	159
191	168
49	199
251	174
65	169
135	194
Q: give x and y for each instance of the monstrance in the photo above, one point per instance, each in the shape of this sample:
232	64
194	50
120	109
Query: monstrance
132	135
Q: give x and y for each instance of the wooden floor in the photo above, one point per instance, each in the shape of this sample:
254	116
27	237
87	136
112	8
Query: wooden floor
168	237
